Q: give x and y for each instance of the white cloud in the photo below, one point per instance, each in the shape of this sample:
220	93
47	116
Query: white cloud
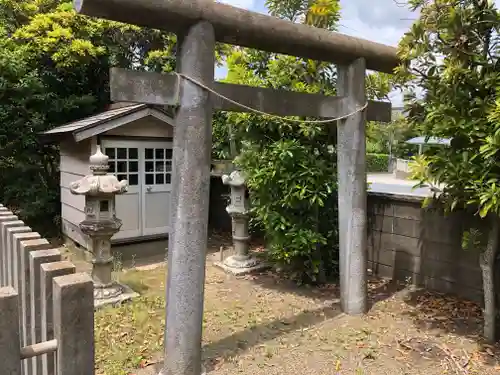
383	21
245	4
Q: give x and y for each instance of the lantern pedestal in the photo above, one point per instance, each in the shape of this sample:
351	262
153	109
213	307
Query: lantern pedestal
106	290
238	268
100	224
241	262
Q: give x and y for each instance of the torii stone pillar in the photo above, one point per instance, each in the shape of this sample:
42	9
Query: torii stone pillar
187	244
352	186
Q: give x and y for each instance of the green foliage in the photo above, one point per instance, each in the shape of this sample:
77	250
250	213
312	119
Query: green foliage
324	14
290	166
28	169
451	54
221	136
292	193
377	163
472	239
390	138
379	85
291	170
419	169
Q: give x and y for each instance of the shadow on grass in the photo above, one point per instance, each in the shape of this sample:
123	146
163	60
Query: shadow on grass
233	345
236	343
239	342
378	289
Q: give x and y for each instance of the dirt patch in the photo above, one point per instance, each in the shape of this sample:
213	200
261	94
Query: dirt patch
265	325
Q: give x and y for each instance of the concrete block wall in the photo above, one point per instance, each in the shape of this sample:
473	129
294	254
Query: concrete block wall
424	246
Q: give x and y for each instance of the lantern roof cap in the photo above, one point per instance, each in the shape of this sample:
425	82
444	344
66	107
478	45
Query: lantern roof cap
99	182
236	179
99	162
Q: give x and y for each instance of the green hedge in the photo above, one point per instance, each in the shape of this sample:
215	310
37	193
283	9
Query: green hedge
377	163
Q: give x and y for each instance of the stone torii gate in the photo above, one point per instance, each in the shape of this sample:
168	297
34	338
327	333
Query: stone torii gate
198	25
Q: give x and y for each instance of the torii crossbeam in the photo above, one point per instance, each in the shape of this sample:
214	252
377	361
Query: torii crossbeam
198	25
162	89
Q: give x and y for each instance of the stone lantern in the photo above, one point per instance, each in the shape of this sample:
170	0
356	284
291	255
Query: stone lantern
101	223
241	262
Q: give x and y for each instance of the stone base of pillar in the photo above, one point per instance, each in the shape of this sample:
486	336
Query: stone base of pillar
113	294
238	265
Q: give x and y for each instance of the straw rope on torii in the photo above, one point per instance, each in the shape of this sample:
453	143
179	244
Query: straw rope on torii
198	25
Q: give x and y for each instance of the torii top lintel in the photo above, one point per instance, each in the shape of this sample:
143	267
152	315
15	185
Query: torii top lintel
245	28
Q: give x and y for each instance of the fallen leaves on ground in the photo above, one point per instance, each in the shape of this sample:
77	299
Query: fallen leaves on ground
443	307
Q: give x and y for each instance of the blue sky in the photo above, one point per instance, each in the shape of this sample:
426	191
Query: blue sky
382	21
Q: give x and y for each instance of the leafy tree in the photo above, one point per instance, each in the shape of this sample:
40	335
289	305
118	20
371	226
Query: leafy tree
55	67
290	166
451	56
27	168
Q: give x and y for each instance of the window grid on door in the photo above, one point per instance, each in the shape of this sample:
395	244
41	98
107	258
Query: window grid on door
158	166
124	163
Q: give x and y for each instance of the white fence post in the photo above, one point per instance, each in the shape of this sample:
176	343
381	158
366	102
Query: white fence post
10	266
26	247
36	259
11	248
74	324
48	272
5	217
10	345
